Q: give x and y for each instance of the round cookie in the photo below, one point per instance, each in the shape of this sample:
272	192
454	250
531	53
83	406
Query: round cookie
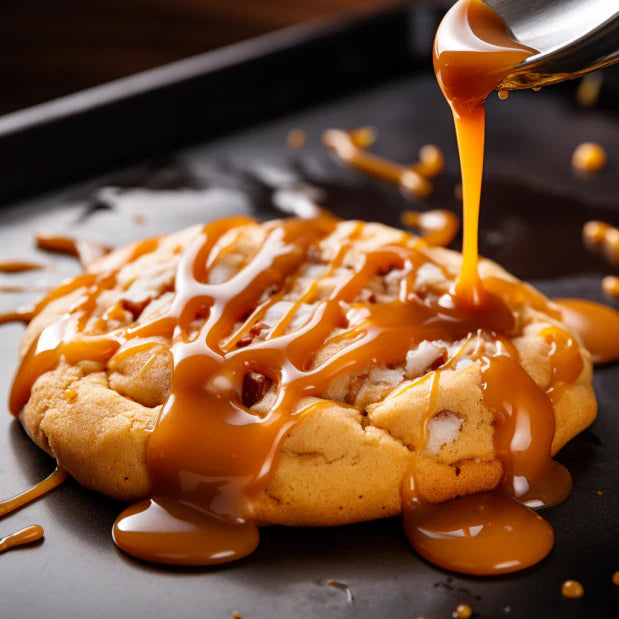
344	460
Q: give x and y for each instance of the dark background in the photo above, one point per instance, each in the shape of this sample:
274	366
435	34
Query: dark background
50	48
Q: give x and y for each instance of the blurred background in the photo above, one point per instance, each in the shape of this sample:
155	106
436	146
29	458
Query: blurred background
52	48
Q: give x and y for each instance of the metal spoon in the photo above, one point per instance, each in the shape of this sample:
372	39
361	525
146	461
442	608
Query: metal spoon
573	37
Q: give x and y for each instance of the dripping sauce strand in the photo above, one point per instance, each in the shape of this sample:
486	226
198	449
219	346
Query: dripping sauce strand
85	251
210	519
34	532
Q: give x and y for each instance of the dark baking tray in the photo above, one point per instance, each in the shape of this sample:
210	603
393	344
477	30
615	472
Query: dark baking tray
207	138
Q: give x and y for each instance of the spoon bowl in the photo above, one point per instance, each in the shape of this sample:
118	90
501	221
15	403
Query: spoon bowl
572	38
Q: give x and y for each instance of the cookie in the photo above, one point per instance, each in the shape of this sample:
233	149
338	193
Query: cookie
344	458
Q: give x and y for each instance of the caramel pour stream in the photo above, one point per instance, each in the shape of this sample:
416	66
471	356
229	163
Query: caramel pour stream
489	533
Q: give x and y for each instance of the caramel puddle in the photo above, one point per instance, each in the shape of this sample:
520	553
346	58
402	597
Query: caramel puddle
173	532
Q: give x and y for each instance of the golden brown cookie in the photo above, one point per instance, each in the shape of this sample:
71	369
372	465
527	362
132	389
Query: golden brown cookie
343	461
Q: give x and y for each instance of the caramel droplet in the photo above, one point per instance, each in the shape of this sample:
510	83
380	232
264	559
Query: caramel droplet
463	611
437	227
572	589
485	534
296	139
610	285
345	145
589	157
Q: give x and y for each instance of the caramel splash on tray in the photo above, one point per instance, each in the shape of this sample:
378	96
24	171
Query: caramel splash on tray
85	251
349	147
38	490
23	314
34	532
18	266
27	535
437	227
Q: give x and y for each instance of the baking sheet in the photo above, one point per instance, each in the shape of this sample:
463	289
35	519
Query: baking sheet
533	208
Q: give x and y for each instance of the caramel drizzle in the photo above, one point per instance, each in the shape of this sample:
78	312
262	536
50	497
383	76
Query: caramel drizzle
38	490
414	178
437	227
28	535
18	266
604	237
86	252
23	314
472	54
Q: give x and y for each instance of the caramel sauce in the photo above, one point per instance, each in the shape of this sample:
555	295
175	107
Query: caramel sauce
572	589
472	54
343	144
437	227
16	288
18	266
85	251
24	314
27	535
485	534
38	490
597	325
33	532
175	532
